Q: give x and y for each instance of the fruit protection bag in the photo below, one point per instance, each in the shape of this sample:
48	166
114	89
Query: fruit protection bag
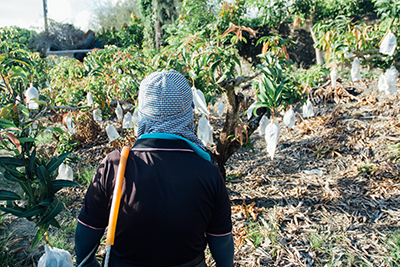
334	76
112	133
55	257
387	81
127	122
97	115
200	101
388	44
289	119
205	131
119	112
263	124
65	172
308	109
271	137
355	70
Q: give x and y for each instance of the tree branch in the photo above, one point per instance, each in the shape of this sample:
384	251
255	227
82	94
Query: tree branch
235	82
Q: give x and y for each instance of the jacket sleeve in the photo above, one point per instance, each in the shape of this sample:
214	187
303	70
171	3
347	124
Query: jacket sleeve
222	249
87	241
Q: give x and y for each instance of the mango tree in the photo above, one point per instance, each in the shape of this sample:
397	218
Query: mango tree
211	62
35	175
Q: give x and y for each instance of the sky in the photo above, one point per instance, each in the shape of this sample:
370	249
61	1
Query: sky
28	14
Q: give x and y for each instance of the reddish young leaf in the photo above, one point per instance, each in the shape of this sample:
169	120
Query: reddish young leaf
249	30
231	29
14	140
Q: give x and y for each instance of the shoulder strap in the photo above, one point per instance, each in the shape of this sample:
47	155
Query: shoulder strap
112	221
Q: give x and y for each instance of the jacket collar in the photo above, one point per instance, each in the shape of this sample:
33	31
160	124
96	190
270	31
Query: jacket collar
183	143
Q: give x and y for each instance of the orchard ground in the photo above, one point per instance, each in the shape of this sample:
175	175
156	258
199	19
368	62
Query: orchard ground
329	197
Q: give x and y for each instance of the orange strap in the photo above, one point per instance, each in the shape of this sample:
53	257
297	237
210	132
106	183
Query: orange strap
112	221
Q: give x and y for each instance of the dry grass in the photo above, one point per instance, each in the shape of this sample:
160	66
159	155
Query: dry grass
331	196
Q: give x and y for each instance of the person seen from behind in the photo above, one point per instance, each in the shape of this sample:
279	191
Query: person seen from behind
174	201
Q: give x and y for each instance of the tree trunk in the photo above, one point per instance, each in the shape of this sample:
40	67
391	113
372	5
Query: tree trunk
227	144
318	53
158	33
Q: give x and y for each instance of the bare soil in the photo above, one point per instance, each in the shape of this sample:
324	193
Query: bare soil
329	197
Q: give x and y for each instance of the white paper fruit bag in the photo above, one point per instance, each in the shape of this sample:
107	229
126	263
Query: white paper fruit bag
205	131
249	112
387	81
289	119
119	112
388	45
263	124
112	133
70	124
55	257
89	98
30	94
65	172
271	138
127	122
200	101
355	70
135	121
97	115
334	76
308	109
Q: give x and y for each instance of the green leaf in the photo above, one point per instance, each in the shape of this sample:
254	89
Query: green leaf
37	210
45	180
24	110
257	105
237	61
59	184
36	239
26	140
7	161
4	124
31	165
222	78
45	202
213	68
55	208
42	173
8	195
55	223
55	129
17	211
14	173
26	186
56	162
9	177
22	76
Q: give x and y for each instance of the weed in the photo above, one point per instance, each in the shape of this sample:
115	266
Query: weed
6	258
248	145
395	149
317	242
61	238
255	234
232	177
367	168
85	176
394	250
45	137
